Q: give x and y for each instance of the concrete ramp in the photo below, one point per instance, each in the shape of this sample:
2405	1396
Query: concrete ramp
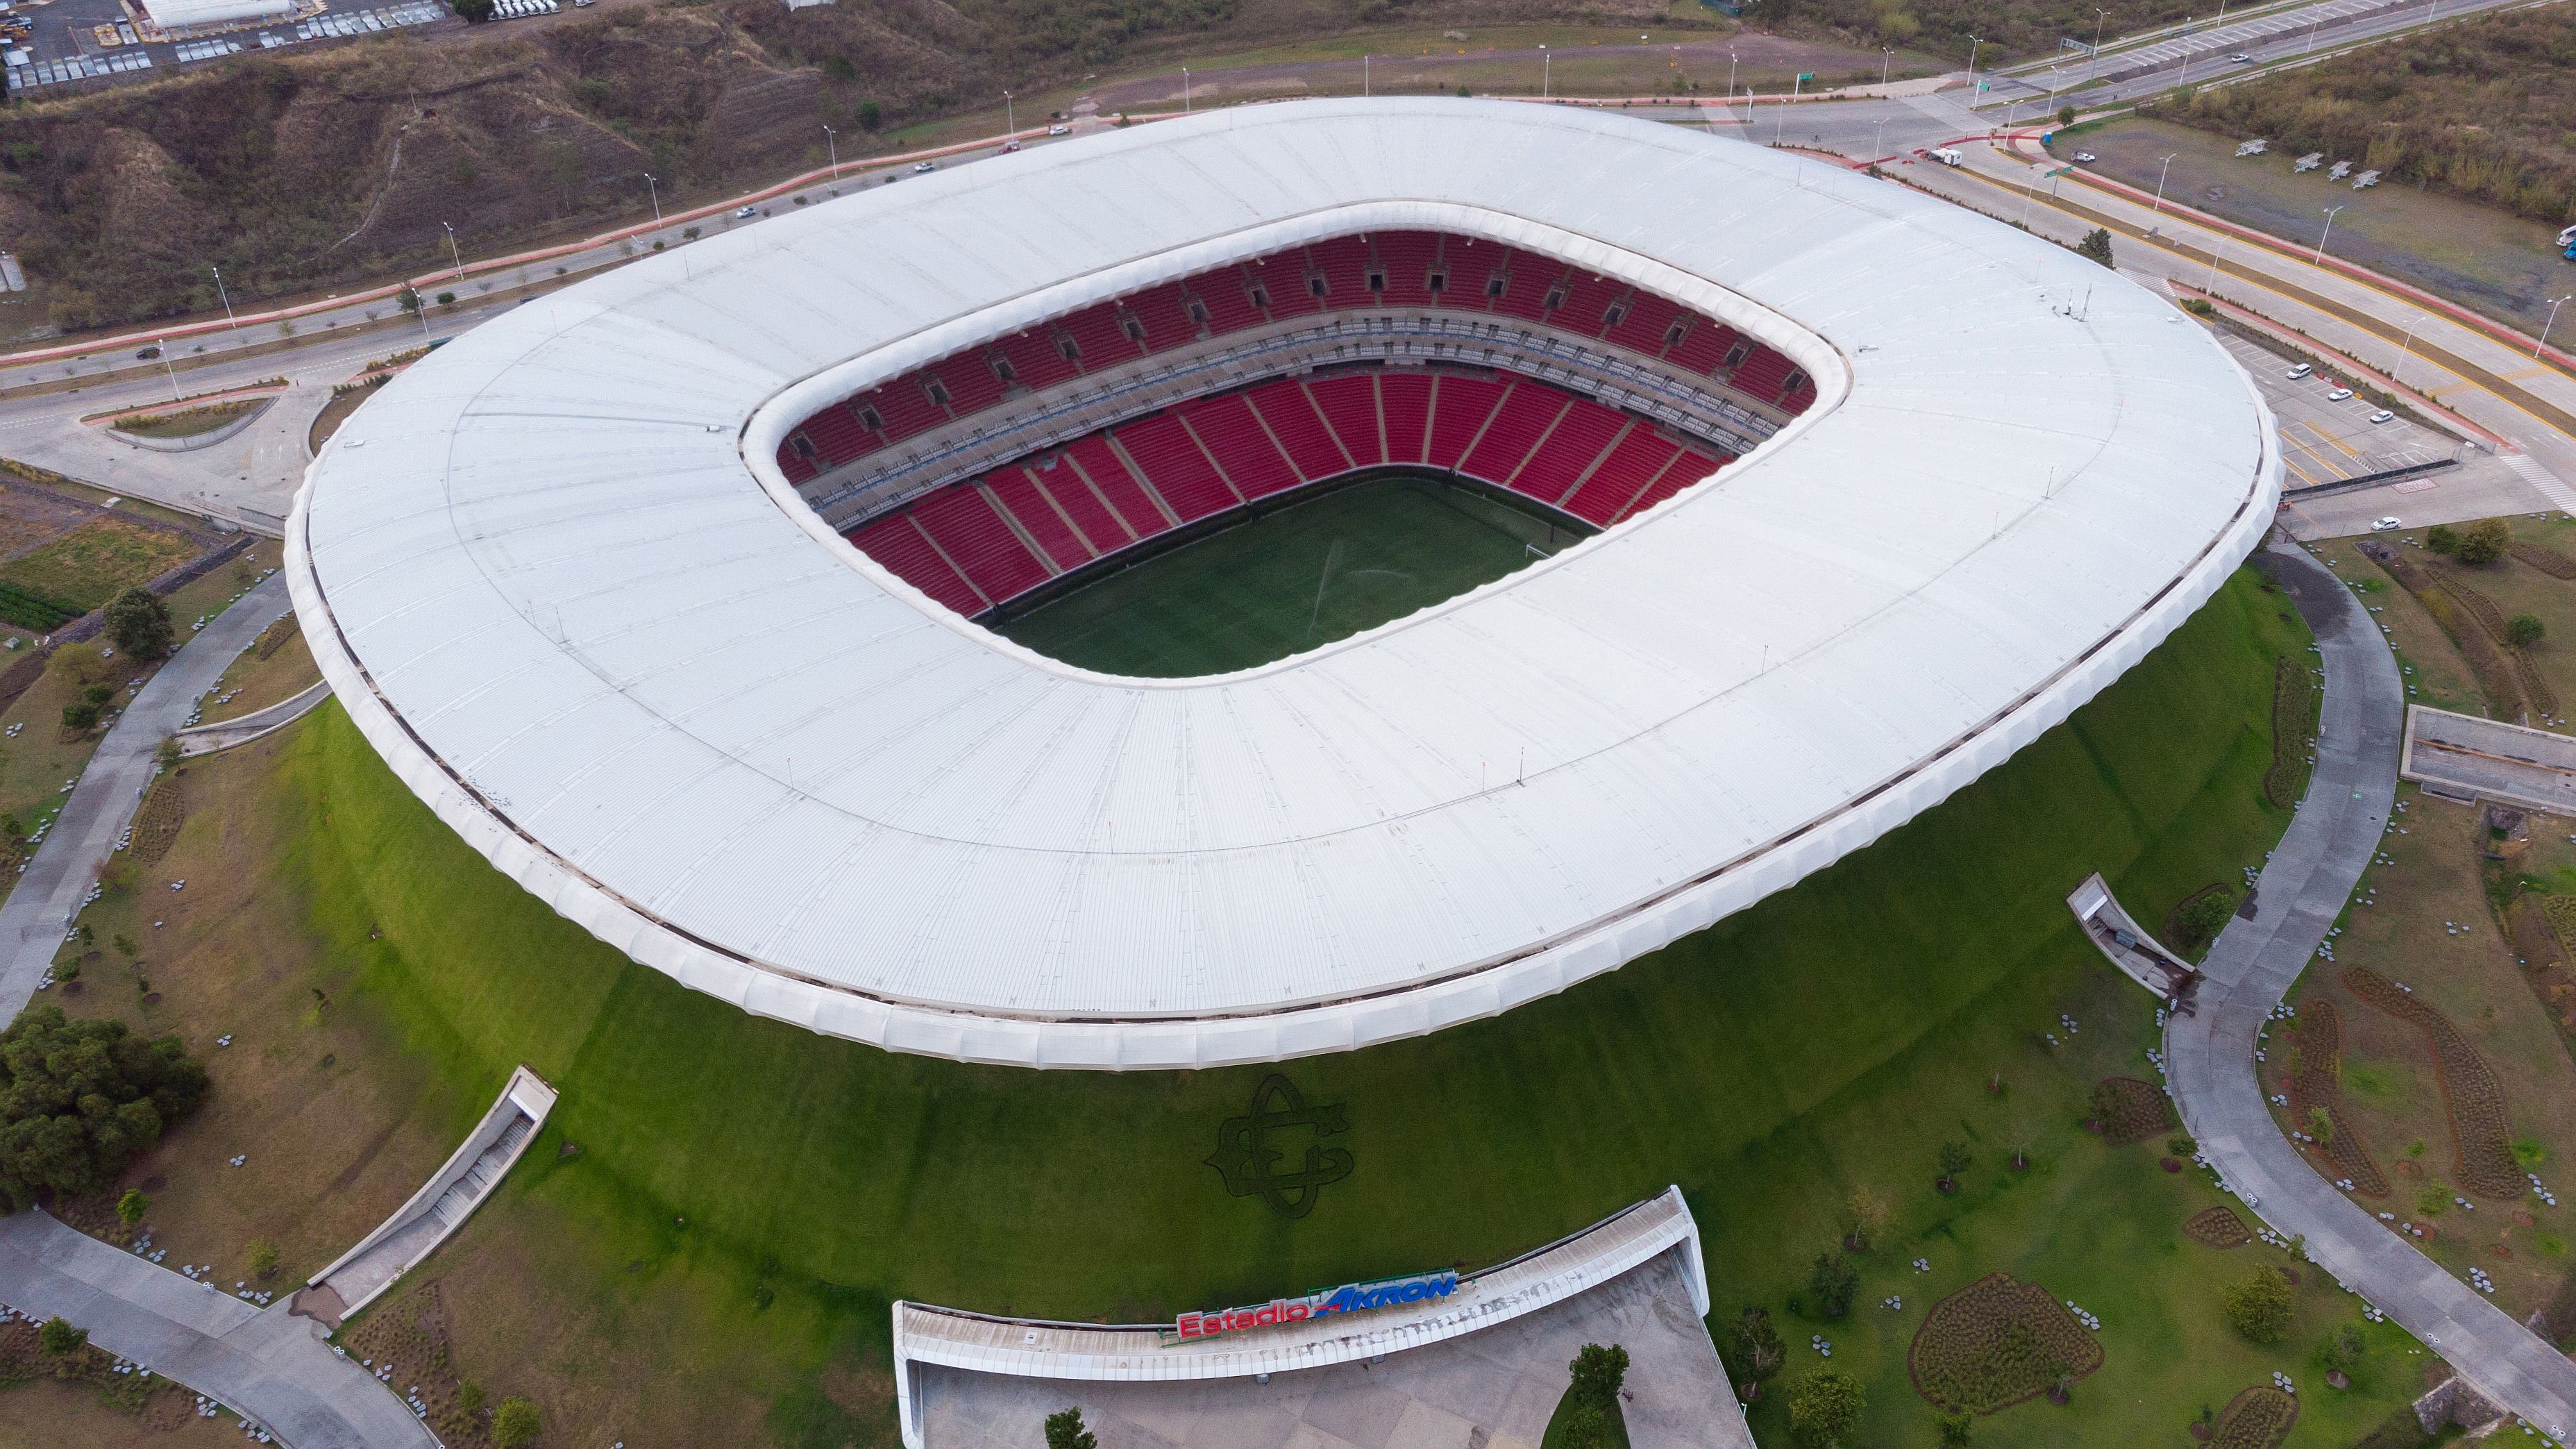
2140	956
440	1207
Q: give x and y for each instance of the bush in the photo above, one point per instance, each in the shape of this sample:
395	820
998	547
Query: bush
469	1396
2524	630
2065	117
131	1207
79	1099
1834	1282
1581	1425
2181	1144
2258	1305
2485	541
447	299
2442	538
58	1337
1954	1160
1955	1429
1824	1408
80	716
138	622
263	1258
514	1423
1064	1431
2343	1352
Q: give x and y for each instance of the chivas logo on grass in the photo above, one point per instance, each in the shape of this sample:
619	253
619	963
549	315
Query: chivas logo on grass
1250	1149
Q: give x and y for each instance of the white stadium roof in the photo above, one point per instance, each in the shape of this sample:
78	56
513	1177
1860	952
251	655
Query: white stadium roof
555	576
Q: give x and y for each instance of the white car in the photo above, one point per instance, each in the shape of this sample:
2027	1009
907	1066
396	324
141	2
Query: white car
2241	58
2381	416
1059	130
2085	158
2339	394
747	213
919	167
2385	525
2300	371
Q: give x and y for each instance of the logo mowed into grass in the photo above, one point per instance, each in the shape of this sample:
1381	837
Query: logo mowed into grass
1251	1149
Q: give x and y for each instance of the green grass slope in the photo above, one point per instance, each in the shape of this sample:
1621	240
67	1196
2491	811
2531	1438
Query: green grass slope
1825	1037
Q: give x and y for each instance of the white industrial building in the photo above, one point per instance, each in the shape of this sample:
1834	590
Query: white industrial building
557	576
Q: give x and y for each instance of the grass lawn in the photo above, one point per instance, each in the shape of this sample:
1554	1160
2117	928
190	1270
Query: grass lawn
703	1244
89	565
253	683
1288	581
185	422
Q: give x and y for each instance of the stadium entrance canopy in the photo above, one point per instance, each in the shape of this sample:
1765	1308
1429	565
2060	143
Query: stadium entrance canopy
558	578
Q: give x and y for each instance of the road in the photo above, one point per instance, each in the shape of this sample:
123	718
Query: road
2210	1054
41	906
263	1363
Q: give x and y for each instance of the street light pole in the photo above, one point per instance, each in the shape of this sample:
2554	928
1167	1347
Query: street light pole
1885	65
2160	182
656	187
832	140
164	346
1730	75
1010	119
2213	262
453	254
2312	33
1364	74
2405	352
1185	90
2545	326
229	319
2320	258
1544	62
1973	42
1878	146
2095	69
2183	76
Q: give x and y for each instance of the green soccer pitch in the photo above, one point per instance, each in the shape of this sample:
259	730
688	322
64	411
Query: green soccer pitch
1319	569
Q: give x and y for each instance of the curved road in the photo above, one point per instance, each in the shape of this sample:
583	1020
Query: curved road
2210	1055
40	908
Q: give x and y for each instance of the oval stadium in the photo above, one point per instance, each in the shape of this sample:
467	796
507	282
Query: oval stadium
1261	583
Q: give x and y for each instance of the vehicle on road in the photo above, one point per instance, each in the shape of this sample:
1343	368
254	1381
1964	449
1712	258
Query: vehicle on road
2339	394
147	354
919	167
2385	525
1949	156
2242	58
2085	158
1010	146
1059	130
746	213
2300	371
2381	416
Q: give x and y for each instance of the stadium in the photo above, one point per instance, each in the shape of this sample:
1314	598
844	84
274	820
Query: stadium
1264	583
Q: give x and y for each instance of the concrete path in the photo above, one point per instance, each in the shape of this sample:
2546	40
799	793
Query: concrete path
264	1364
2210	1055
40	908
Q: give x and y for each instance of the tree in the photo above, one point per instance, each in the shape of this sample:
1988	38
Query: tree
2442	538
263	1258
131	1207
1868	1213
2181	1144
2524	630
2343	1353
447	299
80	716
58	1337
2205	917
1825	1407
1955	1428
2321	1125
138	622
474	11
1064	1431
1755	1345
2097	245
2065	117
2485	541
2258	1305
79	1098
869	116
1598	1373
1581	1425
409	297
1834	1282
515	1422
1954	1160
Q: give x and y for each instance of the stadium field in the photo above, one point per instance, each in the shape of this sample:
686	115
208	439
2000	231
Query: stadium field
743	1185
1322	569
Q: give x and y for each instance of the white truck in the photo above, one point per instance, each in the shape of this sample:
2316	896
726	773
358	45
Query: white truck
1949	156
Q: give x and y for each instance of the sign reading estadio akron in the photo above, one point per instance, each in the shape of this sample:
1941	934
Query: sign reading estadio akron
1349	1298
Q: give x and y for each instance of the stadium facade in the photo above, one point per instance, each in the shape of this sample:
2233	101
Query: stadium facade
663	591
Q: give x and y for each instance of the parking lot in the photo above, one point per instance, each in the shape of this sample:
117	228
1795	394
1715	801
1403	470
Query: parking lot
2328	441
72	45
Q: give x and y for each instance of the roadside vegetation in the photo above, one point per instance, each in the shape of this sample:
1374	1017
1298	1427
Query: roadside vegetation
2484	108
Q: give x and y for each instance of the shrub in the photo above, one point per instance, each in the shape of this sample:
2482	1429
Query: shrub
131	1207
1598	1373
79	1099
2065	117
1954	1160
2524	630
1824	1408
58	1337
869	119
263	1258
1868	1212
1755	1345
2181	1144
97	694
2097	245
469	1396
138	622
2321	1125
2206	916
2442	538
2343	1352
1064	1431
1833	1281
80	716
514	1423
1955	1429
2485	541
2200	307
1581	1425
2258	1305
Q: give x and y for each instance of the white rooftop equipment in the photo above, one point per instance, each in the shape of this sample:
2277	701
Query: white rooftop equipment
556	576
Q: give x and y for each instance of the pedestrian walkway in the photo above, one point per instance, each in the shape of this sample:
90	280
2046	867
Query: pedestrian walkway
2210	1054
270	1367
49	894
